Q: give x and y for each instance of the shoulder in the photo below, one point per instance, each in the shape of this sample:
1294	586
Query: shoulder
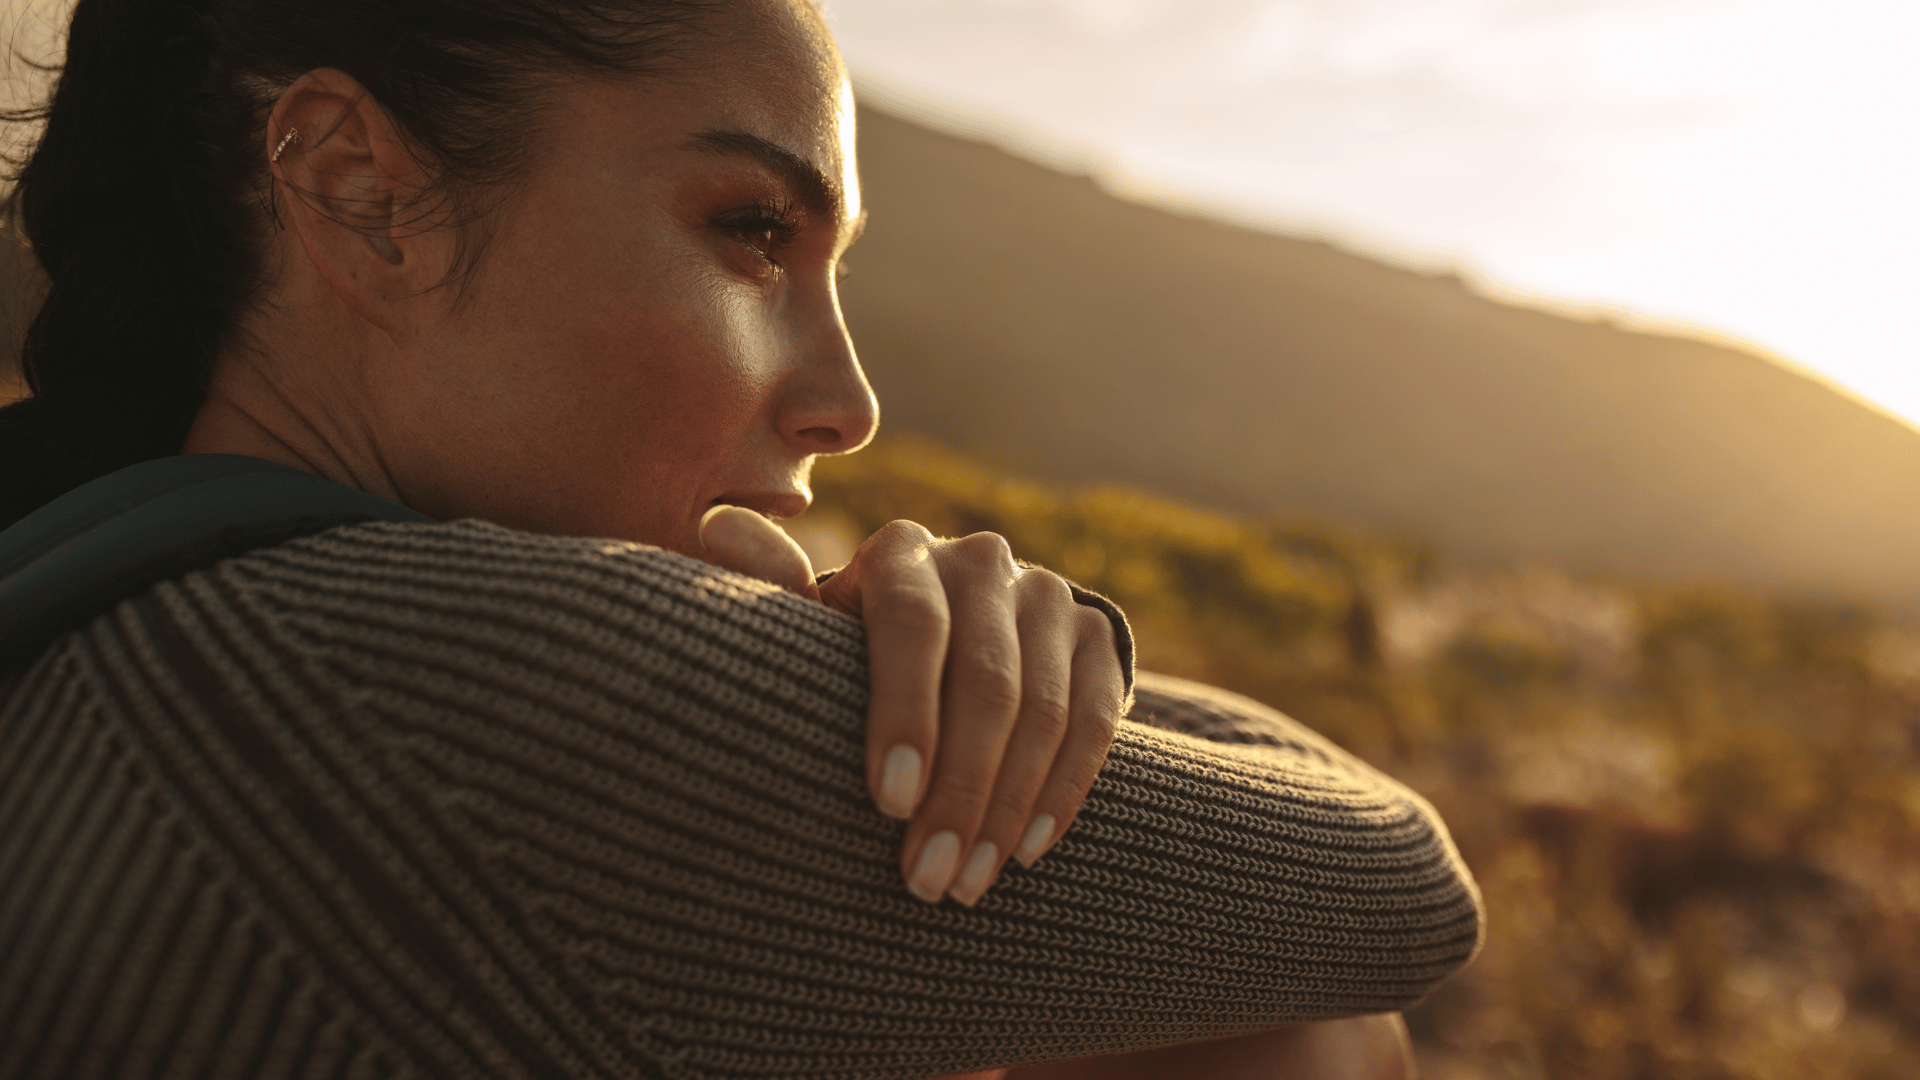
473	564
493	587
386	608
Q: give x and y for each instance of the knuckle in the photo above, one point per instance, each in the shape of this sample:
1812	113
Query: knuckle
991	688
965	791
988	548
1093	623
1004	813
915	611
1101	720
1046	702
1042	586
1106	725
901	532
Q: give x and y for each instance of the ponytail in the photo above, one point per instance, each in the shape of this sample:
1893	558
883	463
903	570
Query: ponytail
128	213
146	198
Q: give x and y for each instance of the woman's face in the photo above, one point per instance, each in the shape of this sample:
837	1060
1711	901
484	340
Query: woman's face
653	329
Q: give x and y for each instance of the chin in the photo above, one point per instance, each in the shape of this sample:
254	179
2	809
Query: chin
682	538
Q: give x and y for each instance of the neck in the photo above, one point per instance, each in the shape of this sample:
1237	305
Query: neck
289	391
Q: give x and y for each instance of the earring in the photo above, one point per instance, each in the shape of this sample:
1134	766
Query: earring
291	138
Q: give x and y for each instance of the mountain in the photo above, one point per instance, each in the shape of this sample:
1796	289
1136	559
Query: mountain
1029	318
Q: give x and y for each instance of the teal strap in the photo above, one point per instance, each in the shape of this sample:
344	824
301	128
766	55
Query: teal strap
76	557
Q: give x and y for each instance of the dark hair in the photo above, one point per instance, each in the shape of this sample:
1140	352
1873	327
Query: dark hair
147	195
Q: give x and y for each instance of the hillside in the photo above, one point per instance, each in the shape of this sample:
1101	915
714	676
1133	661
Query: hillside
1027	317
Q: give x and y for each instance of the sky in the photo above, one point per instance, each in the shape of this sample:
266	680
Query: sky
1745	168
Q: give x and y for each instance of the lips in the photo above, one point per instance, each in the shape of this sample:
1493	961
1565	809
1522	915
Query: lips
773	504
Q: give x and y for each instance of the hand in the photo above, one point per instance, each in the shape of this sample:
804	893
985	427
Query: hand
994	694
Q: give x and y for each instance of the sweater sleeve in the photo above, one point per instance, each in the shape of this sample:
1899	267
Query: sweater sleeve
452	800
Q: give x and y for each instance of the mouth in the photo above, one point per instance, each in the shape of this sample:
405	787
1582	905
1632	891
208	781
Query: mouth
771	504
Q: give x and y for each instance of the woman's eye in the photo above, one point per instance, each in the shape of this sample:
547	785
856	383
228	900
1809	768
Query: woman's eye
765	229
762	241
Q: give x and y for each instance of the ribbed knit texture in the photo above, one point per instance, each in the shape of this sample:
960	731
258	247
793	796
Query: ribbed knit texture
456	801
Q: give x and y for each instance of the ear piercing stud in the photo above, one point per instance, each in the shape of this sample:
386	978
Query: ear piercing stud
291	138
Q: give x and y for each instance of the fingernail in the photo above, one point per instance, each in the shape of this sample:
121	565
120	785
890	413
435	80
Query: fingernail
935	868
977	874
1035	842
900	782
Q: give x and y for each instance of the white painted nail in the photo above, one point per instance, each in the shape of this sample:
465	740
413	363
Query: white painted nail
900	782
935	869
1035	842
977	874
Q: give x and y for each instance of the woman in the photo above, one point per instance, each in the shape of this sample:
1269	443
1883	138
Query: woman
447	791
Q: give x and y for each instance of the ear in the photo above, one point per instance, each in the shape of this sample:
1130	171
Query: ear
353	191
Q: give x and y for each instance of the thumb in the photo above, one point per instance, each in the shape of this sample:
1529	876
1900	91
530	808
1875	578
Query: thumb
743	541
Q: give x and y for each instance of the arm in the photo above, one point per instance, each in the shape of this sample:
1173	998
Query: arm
512	805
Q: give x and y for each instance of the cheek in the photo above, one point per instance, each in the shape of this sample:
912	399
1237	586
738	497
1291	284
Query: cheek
660	382
597	391
673	365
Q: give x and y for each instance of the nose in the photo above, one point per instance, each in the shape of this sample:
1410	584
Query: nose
828	407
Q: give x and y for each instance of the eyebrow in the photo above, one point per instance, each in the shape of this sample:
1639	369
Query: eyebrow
817	192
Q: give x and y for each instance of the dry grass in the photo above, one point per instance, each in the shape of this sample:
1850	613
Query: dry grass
1695	813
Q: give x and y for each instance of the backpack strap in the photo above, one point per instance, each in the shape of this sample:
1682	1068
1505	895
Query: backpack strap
73	559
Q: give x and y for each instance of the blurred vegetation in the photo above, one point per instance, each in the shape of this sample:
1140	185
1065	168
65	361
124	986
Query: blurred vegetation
1695	812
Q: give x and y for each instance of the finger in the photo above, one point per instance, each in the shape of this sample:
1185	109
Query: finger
979	703
1048	640
745	542
1093	716
894	586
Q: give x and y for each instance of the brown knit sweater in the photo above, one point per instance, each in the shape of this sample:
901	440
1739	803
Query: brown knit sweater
457	801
